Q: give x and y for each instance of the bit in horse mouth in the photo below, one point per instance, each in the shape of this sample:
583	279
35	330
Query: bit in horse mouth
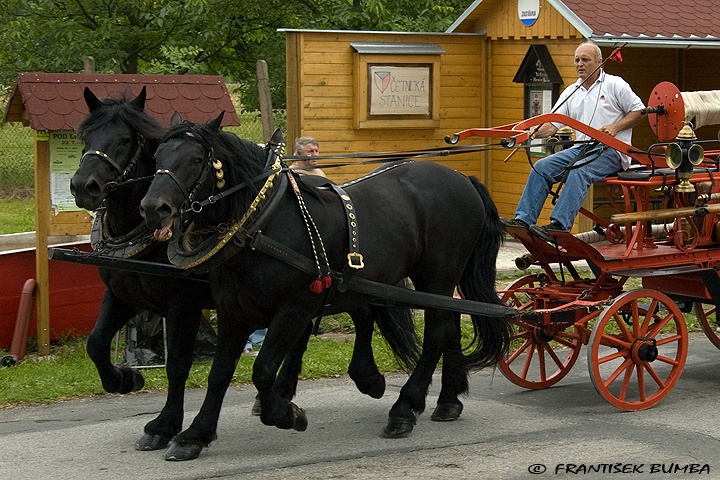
164	233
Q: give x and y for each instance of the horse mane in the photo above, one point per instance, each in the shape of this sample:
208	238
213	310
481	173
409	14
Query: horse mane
120	110
242	161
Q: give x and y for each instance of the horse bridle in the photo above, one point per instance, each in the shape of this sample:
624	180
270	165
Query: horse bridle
191	205
196	206
122	178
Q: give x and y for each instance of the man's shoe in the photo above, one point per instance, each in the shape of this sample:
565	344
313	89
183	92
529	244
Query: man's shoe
515	222
256	409
543	232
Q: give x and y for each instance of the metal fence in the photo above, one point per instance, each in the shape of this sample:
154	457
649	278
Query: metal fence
17	153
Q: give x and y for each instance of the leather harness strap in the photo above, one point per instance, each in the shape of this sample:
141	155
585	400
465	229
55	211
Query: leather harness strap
393	294
354	257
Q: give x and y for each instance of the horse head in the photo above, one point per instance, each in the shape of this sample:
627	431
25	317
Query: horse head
120	138
194	163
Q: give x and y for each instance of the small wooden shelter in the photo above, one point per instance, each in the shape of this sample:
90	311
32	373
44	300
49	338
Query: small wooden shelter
487	69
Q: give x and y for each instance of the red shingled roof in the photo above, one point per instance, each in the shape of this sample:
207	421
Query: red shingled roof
666	18
54	101
652	18
646	23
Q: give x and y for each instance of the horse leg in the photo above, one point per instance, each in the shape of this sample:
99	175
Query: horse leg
287	379
232	336
283	334
362	369
182	325
113	315
454	376
411	402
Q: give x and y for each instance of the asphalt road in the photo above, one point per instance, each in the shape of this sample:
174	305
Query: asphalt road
505	432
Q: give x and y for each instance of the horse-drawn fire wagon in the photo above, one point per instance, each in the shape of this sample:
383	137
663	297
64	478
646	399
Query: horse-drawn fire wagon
664	233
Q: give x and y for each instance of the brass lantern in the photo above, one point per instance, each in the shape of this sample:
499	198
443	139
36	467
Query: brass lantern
683	155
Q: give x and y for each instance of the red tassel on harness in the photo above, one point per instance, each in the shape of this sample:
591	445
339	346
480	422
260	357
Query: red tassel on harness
316	286
326	281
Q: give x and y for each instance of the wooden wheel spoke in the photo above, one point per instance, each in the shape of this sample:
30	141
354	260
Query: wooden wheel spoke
641	380
554	357
526	344
670	339
667	360
650	315
528	361
626	382
612	356
622	326
660	383
626	364
541	350
654	329
613	341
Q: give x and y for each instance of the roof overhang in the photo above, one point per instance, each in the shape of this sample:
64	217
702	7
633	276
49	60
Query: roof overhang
655	42
604	40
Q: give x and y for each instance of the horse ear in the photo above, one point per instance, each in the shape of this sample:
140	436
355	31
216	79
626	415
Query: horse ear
91	100
139	102
215	124
175	119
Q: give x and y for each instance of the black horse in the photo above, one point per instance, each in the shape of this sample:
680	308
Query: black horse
120	139
408	219
117	164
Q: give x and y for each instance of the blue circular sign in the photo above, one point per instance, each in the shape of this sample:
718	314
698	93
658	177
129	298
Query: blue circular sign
528	11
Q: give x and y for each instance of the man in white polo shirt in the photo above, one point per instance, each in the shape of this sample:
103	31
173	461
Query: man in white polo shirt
603	101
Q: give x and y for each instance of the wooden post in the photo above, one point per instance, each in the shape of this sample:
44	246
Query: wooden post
266	114
89	65
42	229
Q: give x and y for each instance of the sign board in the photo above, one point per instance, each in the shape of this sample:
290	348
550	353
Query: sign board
400	90
65	154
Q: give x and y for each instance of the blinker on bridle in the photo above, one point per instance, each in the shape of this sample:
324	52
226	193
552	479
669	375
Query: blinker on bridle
121	179
216	165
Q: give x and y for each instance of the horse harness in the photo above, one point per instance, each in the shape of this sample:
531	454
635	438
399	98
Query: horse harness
248	232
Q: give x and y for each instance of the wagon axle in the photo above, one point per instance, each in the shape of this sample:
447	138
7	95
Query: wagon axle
644	350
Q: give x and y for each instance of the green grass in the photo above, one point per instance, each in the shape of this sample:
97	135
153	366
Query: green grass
69	373
17	215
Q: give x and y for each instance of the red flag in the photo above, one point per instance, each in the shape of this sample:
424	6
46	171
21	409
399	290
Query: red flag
616	55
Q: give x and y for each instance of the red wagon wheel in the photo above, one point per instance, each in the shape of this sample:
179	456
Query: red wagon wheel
540	355
708	321
638	349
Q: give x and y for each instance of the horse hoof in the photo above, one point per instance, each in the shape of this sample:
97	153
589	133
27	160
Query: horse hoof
373	387
132	381
180	453
150	442
301	421
398	427
446	412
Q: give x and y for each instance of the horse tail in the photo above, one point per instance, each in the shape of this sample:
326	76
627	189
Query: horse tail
492	334
397	327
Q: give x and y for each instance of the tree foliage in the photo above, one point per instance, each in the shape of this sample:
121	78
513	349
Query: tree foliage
214	37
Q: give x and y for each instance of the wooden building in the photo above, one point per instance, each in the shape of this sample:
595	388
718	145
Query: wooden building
484	69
